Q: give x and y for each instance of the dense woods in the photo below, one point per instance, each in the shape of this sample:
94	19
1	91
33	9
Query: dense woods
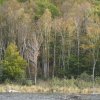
43	39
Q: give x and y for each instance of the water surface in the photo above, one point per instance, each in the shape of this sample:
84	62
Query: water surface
24	96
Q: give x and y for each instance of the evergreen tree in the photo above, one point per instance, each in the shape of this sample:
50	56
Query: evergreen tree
13	64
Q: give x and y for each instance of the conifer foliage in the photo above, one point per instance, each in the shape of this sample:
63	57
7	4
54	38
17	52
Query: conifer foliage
13	65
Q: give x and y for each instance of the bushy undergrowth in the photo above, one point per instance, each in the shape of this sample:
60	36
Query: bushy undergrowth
63	82
83	84
83	81
55	85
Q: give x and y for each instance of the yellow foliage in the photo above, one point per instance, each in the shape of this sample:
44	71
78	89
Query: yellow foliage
86	47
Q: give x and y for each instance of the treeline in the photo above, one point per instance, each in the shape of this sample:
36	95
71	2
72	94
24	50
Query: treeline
55	38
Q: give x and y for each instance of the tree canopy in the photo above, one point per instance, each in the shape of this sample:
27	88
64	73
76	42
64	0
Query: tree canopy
57	38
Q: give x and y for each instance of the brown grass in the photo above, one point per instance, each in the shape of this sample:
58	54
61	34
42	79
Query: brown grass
54	86
40	89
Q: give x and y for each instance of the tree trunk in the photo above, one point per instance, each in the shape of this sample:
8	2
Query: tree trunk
94	65
54	55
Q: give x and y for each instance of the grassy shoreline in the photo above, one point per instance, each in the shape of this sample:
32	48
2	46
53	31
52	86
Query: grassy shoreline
40	89
53	86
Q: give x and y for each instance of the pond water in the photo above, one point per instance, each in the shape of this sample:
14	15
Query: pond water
24	96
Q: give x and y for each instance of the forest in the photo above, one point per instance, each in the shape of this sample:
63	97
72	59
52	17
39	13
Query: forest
46	39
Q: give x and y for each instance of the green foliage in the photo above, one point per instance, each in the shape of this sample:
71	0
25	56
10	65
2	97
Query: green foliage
80	83
7	81
28	82
1	71
13	64
83	84
60	72
22	0
84	81
97	80
85	77
61	47
1	1
42	6
96	7
56	82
